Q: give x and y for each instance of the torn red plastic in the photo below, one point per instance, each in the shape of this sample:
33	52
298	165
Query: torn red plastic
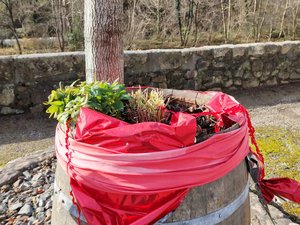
137	173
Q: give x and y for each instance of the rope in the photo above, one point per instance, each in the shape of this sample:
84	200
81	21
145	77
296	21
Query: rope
70	166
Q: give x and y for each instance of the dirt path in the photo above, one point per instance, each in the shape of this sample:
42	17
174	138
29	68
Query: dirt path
277	106
23	134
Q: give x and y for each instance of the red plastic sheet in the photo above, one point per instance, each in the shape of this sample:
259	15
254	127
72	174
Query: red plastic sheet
137	173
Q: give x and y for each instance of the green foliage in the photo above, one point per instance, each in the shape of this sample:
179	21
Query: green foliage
65	102
146	105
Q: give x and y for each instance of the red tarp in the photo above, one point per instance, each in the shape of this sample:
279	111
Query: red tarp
137	173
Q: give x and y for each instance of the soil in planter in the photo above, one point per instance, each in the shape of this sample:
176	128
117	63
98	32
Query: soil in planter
206	124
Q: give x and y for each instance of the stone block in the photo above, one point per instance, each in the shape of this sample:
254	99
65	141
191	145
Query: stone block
205	52
239	73
191	74
295	76
8	111
238	51
272	82
171	60
285	48
283	75
275	72
163	85
257	65
221	51
272	49
256	50
237	82
7	96
251	83
219	65
228	83
202	64
133	58
159	79
189	85
6	70
258	74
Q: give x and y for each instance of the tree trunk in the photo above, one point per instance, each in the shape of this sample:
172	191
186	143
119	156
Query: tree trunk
259	30
295	17
9	7
224	21
178	13
229	20
281	32
103	33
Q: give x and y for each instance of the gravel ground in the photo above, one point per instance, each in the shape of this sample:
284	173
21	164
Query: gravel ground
276	106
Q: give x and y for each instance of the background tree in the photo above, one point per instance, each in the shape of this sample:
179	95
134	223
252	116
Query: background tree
7	11
156	23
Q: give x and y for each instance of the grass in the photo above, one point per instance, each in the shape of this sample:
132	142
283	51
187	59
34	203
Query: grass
281	150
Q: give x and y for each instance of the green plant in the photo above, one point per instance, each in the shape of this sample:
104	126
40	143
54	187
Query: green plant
146	105
65	102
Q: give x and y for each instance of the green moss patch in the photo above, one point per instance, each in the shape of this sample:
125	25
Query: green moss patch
281	150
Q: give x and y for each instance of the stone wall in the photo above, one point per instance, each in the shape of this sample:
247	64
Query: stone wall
26	81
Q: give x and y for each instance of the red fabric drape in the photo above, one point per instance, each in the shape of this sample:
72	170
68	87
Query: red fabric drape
137	173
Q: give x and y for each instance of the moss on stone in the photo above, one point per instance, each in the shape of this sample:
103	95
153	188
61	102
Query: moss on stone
281	150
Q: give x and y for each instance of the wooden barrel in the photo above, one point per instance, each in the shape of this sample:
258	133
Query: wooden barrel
224	201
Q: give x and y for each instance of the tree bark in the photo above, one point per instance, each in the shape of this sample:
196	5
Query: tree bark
103	33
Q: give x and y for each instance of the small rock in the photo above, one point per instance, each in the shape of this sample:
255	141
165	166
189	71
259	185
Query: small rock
41	203
47	186
27	192
26	210
39	209
16	206
48	205
2	217
25	186
45	196
37	184
40	216
3	208
23	218
8	110
5	200
37	177
17	183
27	174
5	188
47	172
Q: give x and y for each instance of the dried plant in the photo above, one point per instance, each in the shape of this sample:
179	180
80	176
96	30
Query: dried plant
146	105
